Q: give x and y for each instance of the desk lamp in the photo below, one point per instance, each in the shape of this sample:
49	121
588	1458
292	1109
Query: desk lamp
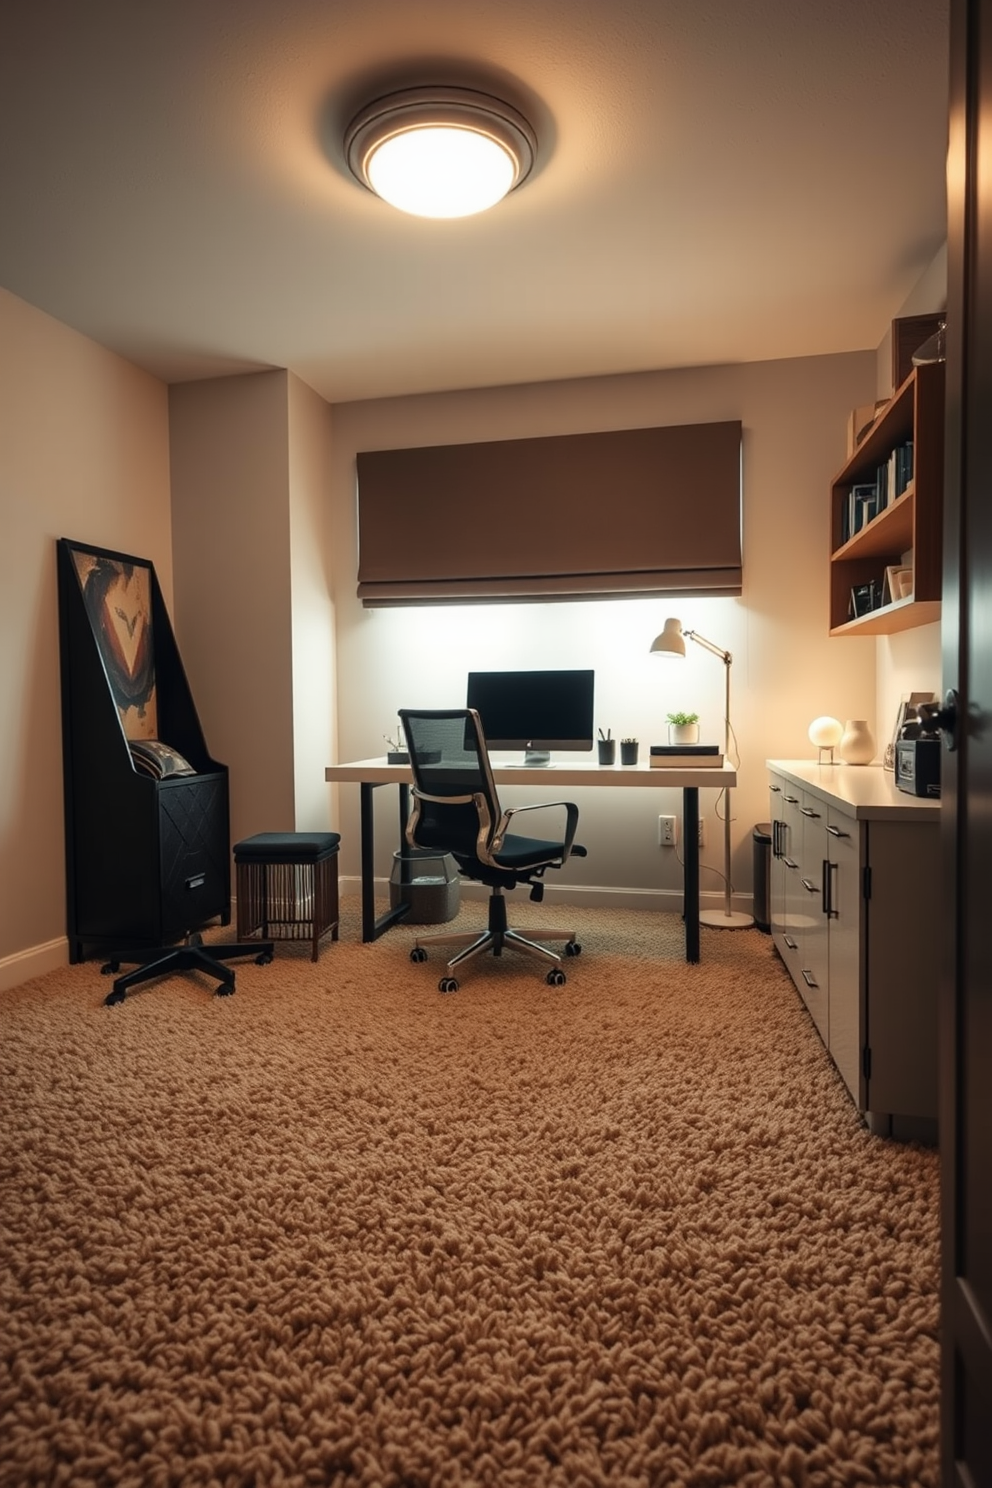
671	642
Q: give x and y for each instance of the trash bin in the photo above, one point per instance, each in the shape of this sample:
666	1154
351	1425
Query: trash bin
762	839
428	882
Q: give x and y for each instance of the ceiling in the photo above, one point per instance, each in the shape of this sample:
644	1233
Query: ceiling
717	181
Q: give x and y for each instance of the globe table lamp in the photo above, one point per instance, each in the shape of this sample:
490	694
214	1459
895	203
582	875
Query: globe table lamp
826	734
671	642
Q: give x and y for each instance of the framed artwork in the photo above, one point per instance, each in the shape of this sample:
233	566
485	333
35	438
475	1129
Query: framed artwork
117	593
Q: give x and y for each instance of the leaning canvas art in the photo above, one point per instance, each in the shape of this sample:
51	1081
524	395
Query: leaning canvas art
117	595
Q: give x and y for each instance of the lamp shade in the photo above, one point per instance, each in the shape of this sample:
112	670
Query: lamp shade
440	152
825	732
671	642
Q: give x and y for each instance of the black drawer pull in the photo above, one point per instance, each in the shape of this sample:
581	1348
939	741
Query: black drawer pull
808	811
792	800
790	863
809	978
792	944
775	788
196	881
809	886
836	832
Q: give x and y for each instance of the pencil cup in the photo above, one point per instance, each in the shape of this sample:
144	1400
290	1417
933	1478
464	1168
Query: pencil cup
628	751
607	751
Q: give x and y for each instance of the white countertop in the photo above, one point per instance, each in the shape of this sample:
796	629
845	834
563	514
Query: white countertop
865	792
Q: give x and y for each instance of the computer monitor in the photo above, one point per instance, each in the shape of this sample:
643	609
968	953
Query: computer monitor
534	711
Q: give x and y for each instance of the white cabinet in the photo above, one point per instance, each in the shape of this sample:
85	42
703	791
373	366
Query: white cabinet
855	917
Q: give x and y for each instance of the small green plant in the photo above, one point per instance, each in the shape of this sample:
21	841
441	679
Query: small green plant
628	741
680	719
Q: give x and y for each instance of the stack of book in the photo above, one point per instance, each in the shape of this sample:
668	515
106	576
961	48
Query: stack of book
865	501
696	756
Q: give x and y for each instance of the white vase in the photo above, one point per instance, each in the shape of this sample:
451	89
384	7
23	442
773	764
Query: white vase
857	744
683	733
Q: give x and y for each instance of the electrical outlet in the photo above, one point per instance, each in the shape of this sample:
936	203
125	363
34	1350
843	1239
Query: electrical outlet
667	831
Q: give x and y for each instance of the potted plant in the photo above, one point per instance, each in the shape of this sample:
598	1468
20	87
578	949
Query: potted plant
683	728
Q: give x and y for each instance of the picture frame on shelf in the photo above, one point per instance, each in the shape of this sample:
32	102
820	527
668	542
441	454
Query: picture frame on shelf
897	583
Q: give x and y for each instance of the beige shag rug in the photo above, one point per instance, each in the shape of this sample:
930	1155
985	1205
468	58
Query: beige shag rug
339	1229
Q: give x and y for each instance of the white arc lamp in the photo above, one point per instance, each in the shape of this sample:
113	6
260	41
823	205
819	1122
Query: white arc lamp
671	642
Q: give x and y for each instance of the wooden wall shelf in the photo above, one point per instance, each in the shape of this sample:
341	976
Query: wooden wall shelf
908	531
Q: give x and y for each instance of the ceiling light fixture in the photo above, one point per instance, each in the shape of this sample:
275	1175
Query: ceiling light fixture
440	152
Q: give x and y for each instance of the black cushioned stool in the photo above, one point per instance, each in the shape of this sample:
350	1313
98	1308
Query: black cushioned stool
287	886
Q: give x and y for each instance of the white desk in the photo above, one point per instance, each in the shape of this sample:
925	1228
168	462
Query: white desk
370	773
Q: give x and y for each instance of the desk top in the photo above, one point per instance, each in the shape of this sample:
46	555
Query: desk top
378	772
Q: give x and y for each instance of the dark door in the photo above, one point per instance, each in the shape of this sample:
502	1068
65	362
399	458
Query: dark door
966	825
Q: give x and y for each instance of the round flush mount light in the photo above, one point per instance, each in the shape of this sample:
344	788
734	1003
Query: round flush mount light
440	152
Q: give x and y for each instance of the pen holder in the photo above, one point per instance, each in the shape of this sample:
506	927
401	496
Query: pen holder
628	751
607	751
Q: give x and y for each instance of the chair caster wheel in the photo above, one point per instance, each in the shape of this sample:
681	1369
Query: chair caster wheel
448	984
109	968
113	998
572	948
418	954
555	977
262	960
225	989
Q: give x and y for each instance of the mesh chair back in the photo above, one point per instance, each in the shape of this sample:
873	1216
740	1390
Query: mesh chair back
449	759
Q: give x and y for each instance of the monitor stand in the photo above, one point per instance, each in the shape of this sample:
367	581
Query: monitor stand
536	759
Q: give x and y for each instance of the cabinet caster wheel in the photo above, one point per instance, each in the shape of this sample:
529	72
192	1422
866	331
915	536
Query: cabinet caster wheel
225	989
110	968
113	998
555	977
572	948
262	960
448	984
418	954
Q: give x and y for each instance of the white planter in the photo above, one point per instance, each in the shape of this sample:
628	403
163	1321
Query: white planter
857	744
683	733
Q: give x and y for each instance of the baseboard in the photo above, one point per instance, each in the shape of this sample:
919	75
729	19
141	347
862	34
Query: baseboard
665	901
33	962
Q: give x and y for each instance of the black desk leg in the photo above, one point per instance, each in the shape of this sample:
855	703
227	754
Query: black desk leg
372	928
690	871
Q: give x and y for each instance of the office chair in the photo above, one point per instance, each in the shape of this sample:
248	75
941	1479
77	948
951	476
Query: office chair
456	810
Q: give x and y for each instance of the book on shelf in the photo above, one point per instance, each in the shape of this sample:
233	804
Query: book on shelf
159	760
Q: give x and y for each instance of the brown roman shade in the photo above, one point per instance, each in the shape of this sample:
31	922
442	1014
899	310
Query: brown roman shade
574	516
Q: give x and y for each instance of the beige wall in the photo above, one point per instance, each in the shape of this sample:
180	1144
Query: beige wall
254	615
83	453
786	669
314	664
230	526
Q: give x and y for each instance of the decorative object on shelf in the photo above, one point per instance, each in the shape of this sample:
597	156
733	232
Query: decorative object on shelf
671	642
825	733
683	728
909	335
907	722
606	746
857	744
934	348
628	751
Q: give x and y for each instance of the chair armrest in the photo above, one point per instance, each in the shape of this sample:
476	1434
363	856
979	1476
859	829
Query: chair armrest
571	822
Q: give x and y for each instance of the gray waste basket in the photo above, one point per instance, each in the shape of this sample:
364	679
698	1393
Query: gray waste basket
762	839
428	882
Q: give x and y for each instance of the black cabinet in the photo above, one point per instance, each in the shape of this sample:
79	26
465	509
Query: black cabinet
147	860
